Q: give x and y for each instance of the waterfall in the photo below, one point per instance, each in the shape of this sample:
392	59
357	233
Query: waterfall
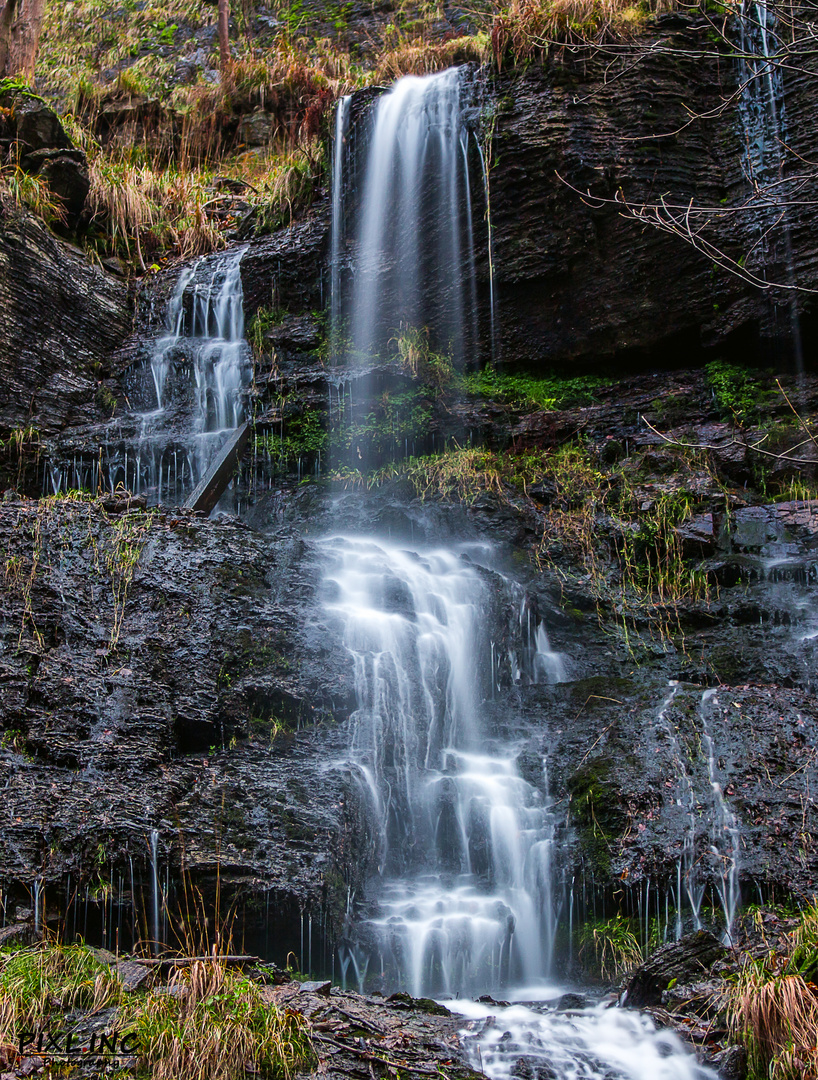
413	262
726	838
761	101
187	396
337	233
467	895
465	847
763	119
155	890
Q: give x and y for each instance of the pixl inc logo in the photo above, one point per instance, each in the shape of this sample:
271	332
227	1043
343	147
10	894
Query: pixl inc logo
68	1044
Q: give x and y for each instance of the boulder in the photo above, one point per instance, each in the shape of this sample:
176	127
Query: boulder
30	123
66	173
683	961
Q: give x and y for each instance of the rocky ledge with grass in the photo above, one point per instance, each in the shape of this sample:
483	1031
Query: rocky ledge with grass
215	1016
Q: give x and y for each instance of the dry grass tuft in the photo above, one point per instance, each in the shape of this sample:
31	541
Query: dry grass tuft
526	27
213	1024
424	58
777	1018
37	980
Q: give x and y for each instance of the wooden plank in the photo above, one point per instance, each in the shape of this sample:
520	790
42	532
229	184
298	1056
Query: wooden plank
211	487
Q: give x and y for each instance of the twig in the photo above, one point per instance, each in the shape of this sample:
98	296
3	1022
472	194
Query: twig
358	1020
795	413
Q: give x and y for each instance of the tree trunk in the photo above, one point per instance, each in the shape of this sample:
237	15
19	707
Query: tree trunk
20	25
6	19
224	42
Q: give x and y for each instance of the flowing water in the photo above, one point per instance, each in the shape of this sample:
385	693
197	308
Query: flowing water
413	261
186	397
469	898
465	902
595	1043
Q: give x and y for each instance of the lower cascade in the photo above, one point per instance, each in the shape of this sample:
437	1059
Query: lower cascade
465	843
466	902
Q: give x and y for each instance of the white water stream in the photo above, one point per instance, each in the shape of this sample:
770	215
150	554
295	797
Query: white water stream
466	901
596	1043
467	897
188	395
412	242
465	842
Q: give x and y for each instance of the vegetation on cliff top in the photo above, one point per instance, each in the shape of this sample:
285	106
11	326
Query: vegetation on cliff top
184	156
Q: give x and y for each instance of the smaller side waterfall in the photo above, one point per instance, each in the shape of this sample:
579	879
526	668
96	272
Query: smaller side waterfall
761	102
337	235
187	396
726	838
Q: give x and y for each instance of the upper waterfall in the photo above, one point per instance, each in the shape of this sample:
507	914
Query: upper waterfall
413	240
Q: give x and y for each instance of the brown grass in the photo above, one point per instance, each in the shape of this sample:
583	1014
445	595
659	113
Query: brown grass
424	58
214	1024
526	27
777	1018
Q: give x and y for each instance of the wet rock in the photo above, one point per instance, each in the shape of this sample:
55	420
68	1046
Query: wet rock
297	333
66	173
697	537
571	1001
682	961
31	124
132	974
257	129
730	1063
61	320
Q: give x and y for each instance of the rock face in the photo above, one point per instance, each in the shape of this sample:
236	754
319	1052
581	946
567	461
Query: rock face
60	320
191	700
578	278
32	133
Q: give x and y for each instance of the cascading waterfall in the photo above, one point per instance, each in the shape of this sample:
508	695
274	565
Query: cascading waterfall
187	396
413	260
465	842
726	838
337	233
761	102
466	847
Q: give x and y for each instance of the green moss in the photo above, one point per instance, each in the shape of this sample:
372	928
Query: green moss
528	391
739	391
304	438
596	812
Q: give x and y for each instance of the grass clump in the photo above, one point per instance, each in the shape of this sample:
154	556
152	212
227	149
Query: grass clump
213	1024
739	392
773	1006
210	1022
419	57
609	949
525	28
147	209
432	370
48	978
31	193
